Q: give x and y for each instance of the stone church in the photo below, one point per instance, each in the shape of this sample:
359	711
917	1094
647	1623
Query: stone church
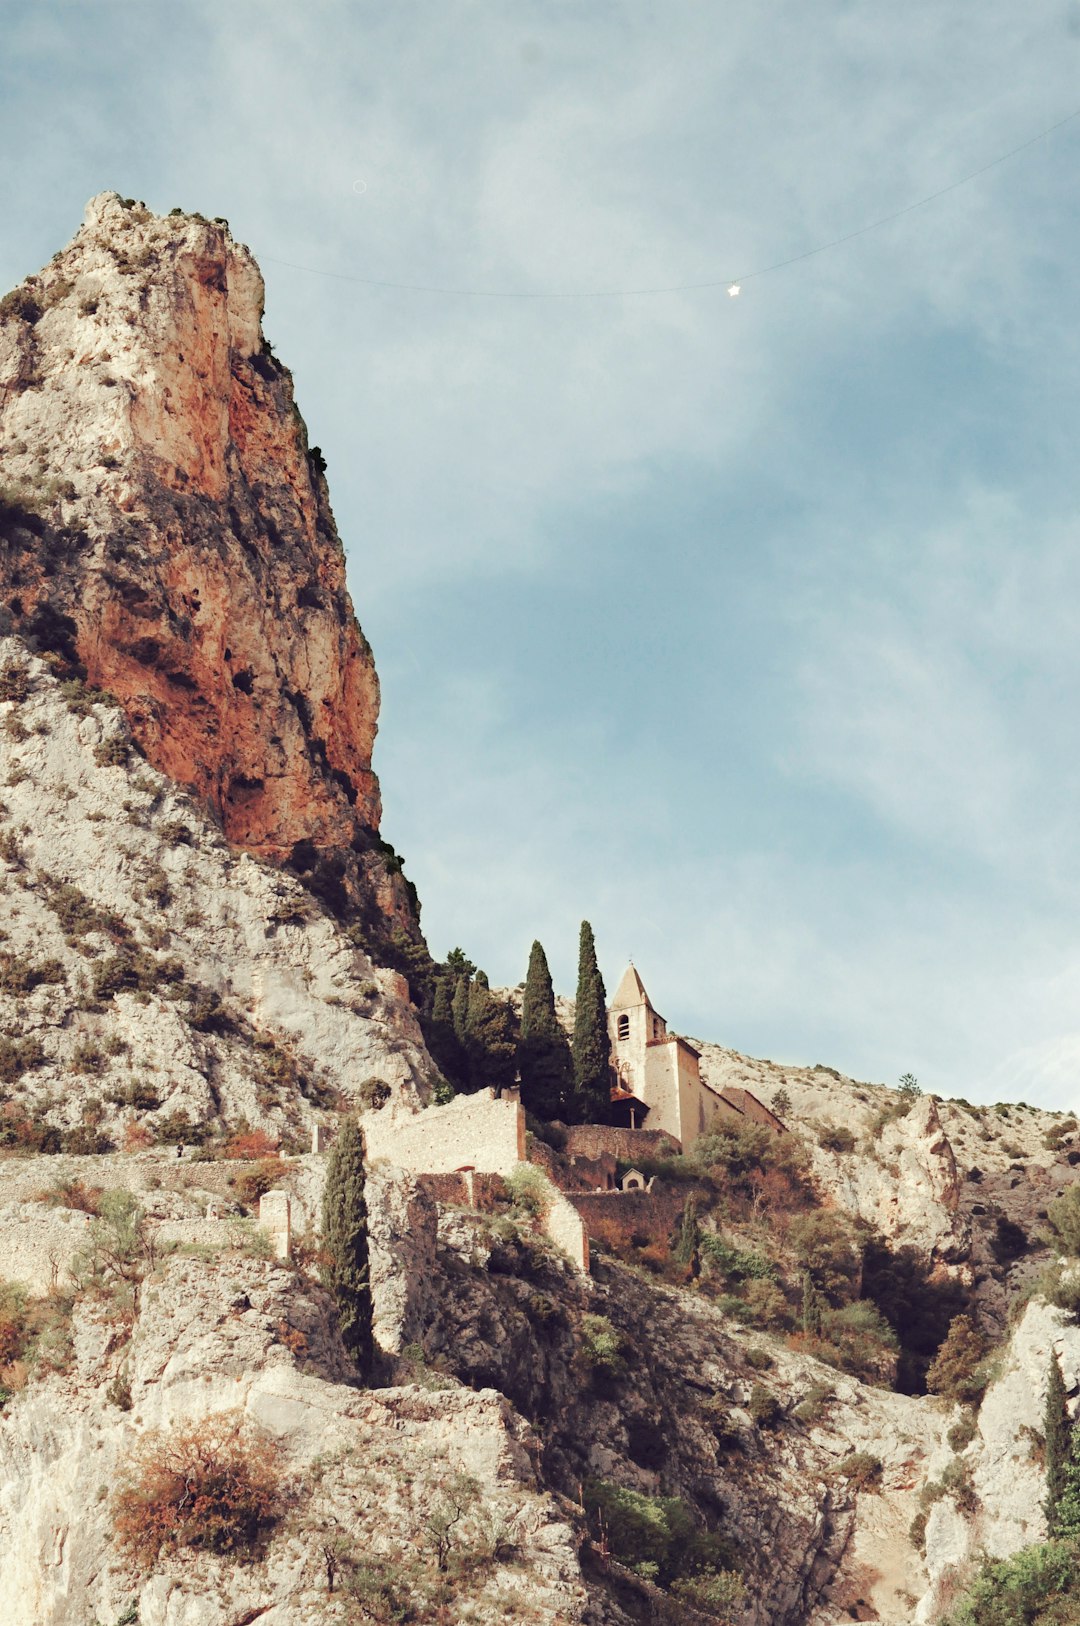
658	1082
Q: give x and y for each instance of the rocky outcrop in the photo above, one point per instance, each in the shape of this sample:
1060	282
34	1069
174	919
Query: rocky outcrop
148	969
165	527
905	1185
363	1474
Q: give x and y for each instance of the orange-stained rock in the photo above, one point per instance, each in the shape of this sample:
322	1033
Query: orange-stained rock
165	526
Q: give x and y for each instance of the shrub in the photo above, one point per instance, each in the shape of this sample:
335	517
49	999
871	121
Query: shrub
1063	1216
812	1407
601	1347
733	1262
654	1535
249	1144
14	681
823	1243
1060	1286
251	1184
955	1370
529	1189
763	1406
71	1193
962	1433
862	1470
216	1487
135	971
18	1056
20	975
1039	1584
835	1137
112	753
1009	1240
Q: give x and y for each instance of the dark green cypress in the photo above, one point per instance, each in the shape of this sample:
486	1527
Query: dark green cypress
439	1031
345	1242
592	1043
459	1008
1056	1430
490	1044
544	1051
685	1251
812	1306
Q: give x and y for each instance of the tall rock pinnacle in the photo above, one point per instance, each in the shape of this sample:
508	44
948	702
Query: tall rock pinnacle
165	528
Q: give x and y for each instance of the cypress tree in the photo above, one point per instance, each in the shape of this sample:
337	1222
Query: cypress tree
592	1043
1056	1430
345	1242
812	1306
685	1251
442	1040
489	1037
459	1009
544	1051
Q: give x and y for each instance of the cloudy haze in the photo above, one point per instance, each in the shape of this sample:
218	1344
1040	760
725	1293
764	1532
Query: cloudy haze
747	628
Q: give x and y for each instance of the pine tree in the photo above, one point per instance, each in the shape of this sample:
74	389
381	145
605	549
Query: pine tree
592	1042
490	1045
544	1051
1057	1430
345	1242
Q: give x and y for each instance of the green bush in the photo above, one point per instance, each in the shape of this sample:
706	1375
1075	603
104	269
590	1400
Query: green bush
835	1137
862	1470
763	1406
601	1346
1063	1216
529	1189
20	975
1037	1587
956	1371
733	1262
654	1535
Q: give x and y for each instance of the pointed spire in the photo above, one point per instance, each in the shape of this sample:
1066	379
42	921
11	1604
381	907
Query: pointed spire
631	991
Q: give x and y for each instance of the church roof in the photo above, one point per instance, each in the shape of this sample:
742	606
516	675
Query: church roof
631	991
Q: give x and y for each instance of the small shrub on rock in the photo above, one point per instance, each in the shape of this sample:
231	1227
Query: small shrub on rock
955	1370
862	1470
602	1347
216	1487
763	1406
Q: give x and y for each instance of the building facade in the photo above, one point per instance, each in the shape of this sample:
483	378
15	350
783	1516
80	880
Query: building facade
658	1082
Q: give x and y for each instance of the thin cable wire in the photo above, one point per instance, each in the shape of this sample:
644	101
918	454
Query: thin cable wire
682	287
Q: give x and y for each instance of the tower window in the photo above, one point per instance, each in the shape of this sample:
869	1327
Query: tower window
656	1027
624	1027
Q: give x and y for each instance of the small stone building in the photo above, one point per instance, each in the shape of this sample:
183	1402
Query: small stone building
658	1082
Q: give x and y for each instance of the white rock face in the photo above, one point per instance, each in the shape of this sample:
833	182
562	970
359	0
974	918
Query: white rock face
365	1469
305	1018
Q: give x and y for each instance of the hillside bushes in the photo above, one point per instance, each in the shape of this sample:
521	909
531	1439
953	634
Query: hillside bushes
656	1536
215	1487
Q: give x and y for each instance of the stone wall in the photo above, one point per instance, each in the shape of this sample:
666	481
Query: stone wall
616	1216
482	1131
464	1189
574	1172
629	1145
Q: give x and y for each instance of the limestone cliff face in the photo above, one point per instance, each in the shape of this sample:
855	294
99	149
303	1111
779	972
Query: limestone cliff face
164	525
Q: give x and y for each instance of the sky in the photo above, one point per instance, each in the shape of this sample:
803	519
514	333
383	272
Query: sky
746	628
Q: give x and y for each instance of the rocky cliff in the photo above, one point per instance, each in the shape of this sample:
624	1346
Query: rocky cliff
165	529
187	710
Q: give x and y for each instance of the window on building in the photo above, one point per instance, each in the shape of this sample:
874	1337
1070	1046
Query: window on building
624	1027
656	1027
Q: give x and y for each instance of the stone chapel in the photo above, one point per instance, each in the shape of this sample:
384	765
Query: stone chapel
658	1082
